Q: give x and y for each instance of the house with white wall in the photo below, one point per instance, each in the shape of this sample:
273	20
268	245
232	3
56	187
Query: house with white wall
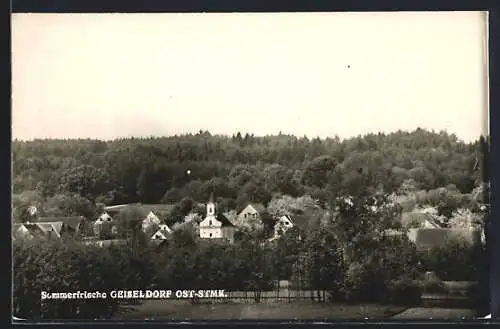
286	222
162	233
251	216
104	217
150	220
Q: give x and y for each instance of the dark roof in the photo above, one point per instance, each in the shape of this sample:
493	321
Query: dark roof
427	238
34	228
301	221
38	230
433	220
72	222
164	232
51	226
158	235
420	218
223	219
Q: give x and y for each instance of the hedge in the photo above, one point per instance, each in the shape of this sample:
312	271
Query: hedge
66	266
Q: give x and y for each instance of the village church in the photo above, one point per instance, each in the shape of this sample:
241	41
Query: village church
216	225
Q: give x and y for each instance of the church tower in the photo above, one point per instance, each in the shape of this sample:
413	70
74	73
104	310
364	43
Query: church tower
211	206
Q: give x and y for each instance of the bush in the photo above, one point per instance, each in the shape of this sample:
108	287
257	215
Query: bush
388	266
455	261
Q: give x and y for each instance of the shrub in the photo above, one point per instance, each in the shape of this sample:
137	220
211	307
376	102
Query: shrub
388	263
455	261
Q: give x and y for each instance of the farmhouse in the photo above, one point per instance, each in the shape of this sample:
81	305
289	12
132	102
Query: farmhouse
68	225
150	220
104	229
420	219
283	224
216	225
251	212
104	217
286	222
48	227
149	213
162	233
428	238
31	230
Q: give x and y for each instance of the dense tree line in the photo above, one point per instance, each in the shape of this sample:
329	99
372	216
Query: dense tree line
238	169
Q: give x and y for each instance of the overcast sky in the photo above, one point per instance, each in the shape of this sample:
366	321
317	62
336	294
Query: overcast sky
316	74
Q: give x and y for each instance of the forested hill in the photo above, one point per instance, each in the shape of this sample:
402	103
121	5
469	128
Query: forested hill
240	168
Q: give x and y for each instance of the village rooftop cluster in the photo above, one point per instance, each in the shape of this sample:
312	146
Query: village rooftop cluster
429	232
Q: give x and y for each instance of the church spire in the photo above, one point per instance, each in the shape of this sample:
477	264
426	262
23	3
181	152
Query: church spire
211	199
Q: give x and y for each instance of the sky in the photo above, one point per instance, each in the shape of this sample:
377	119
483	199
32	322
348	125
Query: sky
316	74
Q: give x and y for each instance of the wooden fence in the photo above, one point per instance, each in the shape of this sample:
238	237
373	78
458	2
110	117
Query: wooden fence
275	296
288	294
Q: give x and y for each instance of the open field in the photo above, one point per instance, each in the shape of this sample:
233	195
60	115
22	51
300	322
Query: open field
295	305
303	310
299	311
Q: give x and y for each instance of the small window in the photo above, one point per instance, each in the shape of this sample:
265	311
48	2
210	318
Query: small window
210	234
245	215
210	223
